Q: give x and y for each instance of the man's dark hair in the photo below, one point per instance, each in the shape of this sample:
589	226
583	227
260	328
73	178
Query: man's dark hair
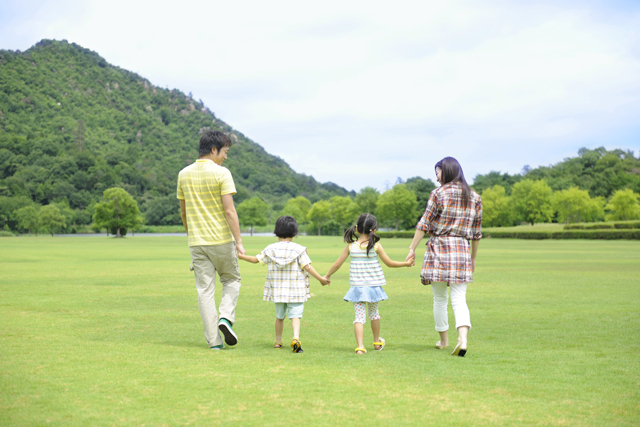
286	226
213	139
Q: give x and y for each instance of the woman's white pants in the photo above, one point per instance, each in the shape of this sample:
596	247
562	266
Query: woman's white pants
458	302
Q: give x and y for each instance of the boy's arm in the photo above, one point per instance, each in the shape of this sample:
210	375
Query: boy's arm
312	271
248	258
336	265
390	263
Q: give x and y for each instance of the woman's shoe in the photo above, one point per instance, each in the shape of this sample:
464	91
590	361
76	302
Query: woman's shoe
439	345
460	350
380	344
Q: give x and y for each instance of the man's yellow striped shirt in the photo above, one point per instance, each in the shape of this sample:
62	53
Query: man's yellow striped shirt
202	185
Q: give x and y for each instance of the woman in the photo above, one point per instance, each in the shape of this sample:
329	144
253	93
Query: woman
453	217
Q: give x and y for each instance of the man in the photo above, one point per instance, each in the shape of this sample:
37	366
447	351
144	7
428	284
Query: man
205	191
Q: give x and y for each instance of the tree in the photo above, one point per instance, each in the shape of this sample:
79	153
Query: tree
623	205
343	210
51	218
27	218
423	188
320	213
497	210
575	205
253	212
117	212
367	200
532	201
298	208
398	204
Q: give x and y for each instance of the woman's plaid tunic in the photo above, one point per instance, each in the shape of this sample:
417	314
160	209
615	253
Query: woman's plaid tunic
451	226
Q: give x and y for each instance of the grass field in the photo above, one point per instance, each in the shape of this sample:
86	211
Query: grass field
102	331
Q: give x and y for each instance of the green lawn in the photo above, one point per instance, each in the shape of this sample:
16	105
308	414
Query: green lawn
98	331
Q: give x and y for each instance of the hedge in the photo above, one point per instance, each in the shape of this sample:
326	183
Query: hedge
401	234
603	226
569	234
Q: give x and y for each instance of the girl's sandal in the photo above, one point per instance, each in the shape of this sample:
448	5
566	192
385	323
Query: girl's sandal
361	350
278	344
379	344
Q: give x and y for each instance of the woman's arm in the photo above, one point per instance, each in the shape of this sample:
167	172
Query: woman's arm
414	244
336	265
248	258
388	262
474	251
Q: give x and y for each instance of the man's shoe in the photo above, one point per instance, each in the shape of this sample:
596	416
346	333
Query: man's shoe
217	347
229	336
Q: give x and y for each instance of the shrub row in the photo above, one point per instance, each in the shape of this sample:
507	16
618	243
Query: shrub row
402	234
603	226
570	234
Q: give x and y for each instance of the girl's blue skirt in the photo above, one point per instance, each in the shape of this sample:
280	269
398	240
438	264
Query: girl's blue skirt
365	294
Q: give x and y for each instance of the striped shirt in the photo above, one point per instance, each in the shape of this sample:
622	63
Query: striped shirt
202	185
286	279
365	269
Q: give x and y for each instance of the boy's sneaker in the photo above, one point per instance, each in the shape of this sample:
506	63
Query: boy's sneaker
296	346
229	336
217	347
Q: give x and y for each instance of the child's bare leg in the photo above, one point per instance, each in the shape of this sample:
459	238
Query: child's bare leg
358	329
375	328
279	329
295	325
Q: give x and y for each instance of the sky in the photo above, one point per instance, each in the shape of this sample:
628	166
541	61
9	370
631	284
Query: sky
361	93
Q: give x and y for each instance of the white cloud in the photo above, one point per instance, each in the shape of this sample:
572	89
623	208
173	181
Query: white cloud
360	93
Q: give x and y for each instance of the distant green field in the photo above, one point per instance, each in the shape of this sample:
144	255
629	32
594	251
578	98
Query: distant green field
100	331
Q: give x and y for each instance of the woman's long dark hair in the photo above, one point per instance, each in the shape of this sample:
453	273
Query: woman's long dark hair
365	225
452	172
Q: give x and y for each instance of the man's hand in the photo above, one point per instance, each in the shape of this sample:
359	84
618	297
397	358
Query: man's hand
240	248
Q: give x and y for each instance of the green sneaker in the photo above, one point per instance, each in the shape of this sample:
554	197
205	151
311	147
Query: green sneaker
229	336
217	347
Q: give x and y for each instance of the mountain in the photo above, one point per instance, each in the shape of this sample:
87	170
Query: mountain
73	125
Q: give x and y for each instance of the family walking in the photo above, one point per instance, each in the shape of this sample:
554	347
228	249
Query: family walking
452	218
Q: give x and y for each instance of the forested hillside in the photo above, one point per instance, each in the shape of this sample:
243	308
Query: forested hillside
72	125
599	171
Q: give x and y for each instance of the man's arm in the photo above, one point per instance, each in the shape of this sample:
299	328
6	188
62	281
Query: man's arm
183	215
232	219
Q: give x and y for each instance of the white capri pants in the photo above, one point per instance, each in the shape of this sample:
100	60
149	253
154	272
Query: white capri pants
458	302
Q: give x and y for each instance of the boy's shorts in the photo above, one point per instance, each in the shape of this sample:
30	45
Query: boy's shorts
295	309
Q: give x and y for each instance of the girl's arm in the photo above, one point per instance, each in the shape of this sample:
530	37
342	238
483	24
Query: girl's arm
250	259
336	265
312	271
388	262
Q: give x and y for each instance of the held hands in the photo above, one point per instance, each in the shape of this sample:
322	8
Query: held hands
411	258
325	280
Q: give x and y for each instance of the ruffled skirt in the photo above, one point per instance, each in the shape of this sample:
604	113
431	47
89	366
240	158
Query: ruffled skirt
365	294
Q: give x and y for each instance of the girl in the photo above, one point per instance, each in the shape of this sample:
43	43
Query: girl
453	218
287	283
365	276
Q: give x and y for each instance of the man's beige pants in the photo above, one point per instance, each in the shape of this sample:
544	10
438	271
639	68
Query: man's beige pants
207	260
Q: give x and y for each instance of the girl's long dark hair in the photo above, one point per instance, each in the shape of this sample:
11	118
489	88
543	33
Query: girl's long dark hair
365	225
452	172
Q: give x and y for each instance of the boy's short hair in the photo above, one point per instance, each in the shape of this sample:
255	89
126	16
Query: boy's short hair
211	139
286	226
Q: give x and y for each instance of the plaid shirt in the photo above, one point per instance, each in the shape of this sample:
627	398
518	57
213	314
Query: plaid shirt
286	279
451	226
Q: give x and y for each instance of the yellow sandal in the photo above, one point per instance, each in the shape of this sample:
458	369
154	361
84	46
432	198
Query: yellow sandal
363	350
278	344
380	344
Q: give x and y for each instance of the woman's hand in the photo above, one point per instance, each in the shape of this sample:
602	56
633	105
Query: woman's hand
411	257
